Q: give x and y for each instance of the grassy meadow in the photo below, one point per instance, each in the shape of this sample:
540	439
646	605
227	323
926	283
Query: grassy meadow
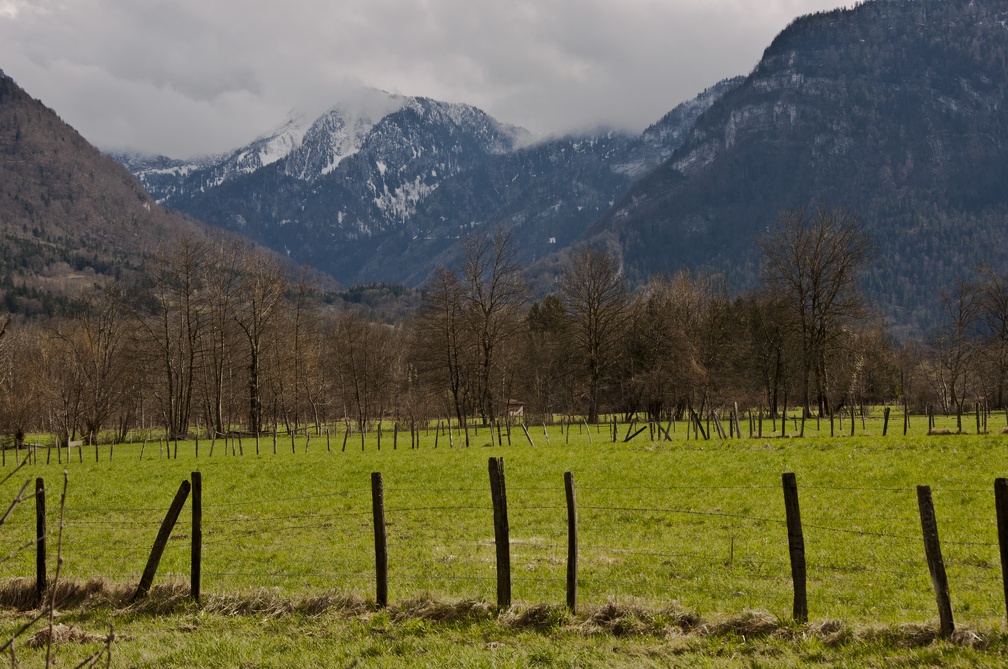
674	537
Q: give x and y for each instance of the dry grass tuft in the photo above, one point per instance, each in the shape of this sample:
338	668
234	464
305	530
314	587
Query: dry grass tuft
538	617
272	603
679	619
348	604
970	638
940	433
832	632
915	635
19	593
749	624
426	607
908	635
63	634
629	618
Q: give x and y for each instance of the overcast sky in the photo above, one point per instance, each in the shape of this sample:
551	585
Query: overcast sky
186	77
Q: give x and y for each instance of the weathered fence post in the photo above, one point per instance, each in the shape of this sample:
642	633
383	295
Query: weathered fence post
527	435
936	566
572	543
1001	510
196	557
796	546
380	540
40	539
162	540
885	422
498	495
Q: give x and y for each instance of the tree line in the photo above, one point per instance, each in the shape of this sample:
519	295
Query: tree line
219	339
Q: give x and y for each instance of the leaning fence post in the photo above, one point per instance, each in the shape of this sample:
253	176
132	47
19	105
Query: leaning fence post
885	422
195	567
572	543
498	494
162	540
380	540
1001	510
796	546
40	539
936	566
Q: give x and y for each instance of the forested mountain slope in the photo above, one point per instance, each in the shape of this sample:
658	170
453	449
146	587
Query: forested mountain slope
70	216
896	110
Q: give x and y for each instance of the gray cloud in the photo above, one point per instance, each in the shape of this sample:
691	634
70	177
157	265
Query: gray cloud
183	77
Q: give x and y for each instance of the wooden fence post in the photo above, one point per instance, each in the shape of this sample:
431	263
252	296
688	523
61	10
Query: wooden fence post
527	436
796	546
572	543
195	566
162	540
885	422
1001	510
40	539
936	566
498	495
380	540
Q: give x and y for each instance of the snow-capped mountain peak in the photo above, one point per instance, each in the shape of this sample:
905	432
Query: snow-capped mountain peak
334	136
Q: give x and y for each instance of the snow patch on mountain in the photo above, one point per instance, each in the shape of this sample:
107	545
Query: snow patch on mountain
401	203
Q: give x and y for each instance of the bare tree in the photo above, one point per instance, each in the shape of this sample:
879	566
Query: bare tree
261	292
367	356
955	346
441	354
494	296
815	262
222	286
595	295
994	324
175	330
97	346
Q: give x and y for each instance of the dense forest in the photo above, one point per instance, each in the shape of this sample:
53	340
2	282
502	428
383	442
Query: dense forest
218	339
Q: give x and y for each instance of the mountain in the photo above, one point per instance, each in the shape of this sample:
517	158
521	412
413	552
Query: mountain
385	191
70	217
896	110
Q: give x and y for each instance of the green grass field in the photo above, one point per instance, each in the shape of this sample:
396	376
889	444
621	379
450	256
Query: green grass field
694	526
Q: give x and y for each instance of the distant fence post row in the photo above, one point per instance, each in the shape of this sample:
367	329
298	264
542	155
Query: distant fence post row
658	432
498	493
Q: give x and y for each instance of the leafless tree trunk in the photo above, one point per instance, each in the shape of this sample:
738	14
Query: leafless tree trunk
262	289
495	293
595	295
815	262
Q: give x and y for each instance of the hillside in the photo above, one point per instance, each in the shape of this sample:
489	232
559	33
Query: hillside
70	216
895	110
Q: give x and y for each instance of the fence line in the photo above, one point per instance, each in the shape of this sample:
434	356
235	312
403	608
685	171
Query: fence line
685	564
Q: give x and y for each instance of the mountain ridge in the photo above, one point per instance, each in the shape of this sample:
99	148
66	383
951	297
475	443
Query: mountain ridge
410	184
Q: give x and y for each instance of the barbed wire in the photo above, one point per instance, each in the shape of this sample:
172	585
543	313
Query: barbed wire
277	500
689	512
